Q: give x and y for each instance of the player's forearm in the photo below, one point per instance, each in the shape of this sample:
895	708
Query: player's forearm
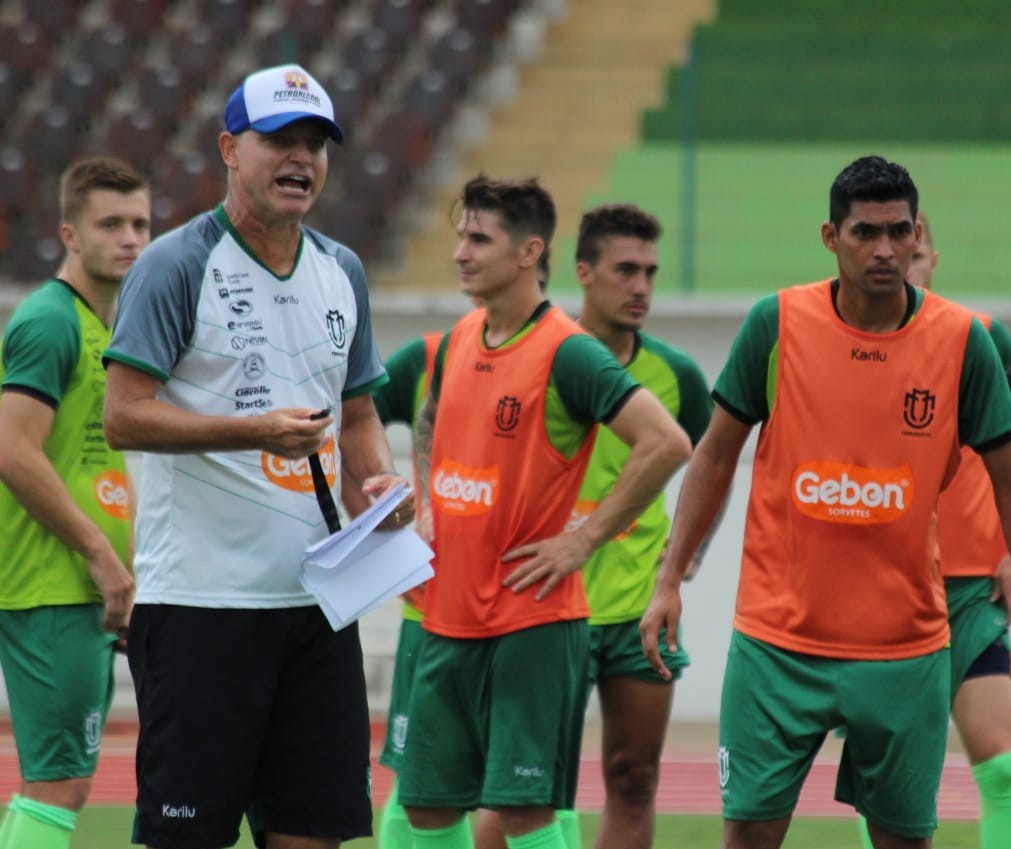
37	486
424	429
653	461
701	500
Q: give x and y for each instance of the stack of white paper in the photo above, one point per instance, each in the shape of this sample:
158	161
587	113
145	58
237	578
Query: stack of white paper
358	568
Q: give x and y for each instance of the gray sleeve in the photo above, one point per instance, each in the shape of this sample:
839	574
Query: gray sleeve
364	363
157	307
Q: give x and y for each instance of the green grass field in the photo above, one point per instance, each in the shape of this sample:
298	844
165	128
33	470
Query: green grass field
760	210
106	827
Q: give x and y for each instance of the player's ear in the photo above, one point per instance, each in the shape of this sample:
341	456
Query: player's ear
228	144
830	236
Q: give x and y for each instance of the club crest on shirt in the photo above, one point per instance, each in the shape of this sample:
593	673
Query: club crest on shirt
335	328
918	408
507	412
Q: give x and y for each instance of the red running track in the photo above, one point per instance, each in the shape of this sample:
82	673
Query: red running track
688	785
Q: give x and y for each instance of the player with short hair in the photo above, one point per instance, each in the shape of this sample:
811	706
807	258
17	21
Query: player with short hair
65	580
504	439
840	614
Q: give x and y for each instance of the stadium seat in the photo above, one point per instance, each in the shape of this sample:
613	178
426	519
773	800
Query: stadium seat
429	96
110	51
459	57
228	18
349	221
196	52
161	90
25	46
77	88
16	191
138	16
484	18
349	96
52	137
11	86
405	139
368	52
313	20
54	17
193	182
399	19
284	45
138	136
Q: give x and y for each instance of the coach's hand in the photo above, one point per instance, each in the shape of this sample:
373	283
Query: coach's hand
292	433
664	611
550	561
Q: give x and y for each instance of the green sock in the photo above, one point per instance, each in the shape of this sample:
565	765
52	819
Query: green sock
40	826
993	777
569	821
394	831
865	835
549	837
457	836
8	819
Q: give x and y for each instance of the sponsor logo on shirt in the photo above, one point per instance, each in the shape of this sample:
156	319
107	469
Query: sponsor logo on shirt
254	366
464	491
295	475
239	343
840	492
242	307
581	512
862	356
113	494
285	300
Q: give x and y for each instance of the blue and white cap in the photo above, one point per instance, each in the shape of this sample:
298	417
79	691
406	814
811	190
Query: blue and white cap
272	98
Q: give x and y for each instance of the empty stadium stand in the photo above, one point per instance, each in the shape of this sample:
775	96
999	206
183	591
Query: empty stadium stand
147	79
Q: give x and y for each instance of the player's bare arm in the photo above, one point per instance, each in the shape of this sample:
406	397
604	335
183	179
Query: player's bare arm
424	428
135	419
707	481
659	447
998	466
366	456
25	425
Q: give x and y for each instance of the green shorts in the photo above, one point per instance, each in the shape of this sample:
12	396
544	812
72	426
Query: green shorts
976	624
778	706
617	650
404	668
57	662
497	722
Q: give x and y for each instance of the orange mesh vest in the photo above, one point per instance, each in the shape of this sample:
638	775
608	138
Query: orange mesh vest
497	482
969	533
416	595
839	544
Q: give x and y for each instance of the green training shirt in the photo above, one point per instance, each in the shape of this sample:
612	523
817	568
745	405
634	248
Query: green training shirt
52	350
620	575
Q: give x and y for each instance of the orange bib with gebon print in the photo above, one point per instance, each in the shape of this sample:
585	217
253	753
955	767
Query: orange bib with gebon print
497	482
863	434
969	533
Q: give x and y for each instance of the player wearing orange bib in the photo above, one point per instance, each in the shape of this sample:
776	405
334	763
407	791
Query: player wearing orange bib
865	387
973	556
504	438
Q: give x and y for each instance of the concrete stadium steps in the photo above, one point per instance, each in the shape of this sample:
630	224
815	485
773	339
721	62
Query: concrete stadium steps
577	106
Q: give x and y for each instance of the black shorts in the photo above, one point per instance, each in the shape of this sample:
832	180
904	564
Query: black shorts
261	712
